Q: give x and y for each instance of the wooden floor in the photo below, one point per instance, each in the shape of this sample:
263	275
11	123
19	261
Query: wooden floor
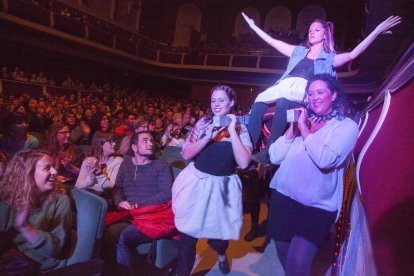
255	258
246	258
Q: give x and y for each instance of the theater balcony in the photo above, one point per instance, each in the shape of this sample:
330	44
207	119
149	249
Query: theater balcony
26	23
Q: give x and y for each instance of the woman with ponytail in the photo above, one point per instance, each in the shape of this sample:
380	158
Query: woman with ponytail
316	56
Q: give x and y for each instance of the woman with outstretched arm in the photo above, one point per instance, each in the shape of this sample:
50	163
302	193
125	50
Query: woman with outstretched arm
317	56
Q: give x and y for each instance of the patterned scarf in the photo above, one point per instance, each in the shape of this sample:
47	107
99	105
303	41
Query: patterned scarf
323	118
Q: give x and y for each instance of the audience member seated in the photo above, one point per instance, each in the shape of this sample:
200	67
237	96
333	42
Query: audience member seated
4	159
169	117
15	136
128	127
79	133
172	137
188	122
157	129
41	78
19	109
68	82
4	73
140	182
36	120
68	157
100	169
79	113
35	222
21	76
103	128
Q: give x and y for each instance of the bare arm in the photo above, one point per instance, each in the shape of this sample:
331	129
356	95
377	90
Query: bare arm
194	148
284	48
383	28
241	153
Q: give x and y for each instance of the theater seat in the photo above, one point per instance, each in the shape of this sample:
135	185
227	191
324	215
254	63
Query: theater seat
160	253
90	218
172	155
89	211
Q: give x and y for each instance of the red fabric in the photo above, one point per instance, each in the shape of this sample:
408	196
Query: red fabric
123	130
112	217
267	126
369	127
386	178
155	221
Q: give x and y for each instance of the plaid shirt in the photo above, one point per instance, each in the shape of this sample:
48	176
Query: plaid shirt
203	124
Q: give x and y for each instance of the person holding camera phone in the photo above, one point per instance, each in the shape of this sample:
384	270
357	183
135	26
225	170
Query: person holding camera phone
100	169
206	195
317	56
306	190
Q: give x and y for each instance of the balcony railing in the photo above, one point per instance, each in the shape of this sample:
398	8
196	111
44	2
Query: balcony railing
142	49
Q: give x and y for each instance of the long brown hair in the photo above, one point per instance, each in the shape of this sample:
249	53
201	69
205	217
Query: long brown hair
51	143
99	139
329	42
18	185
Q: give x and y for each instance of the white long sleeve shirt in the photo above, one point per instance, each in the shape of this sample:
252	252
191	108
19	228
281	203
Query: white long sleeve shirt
312	170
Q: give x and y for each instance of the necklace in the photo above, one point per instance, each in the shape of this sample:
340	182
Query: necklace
323	118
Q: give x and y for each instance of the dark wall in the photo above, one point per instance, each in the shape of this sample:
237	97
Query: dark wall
158	17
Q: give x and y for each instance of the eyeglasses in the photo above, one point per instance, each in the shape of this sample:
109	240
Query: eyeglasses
64	132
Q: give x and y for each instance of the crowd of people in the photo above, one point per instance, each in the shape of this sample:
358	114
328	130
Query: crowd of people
76	137
206	195
35	76
85	116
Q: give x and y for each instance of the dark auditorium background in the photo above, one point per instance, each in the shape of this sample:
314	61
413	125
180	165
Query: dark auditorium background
182	47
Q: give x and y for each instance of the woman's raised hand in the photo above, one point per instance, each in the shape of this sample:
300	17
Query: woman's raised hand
212	132
22	214
232	126
91	161
385	26
249	21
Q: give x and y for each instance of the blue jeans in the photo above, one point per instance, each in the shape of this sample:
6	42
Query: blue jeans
279	123
129	238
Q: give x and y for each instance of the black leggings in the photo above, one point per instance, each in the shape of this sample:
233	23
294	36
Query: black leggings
256	188
187	252
279	123
296	256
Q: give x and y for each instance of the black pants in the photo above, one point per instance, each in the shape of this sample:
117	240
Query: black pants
187	252
279	123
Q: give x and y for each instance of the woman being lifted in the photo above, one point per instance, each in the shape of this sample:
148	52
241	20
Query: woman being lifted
317	56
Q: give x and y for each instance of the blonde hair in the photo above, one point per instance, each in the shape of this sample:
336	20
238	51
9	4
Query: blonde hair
18	185
329	42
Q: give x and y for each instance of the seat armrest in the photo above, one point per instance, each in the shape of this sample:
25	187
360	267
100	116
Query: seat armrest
90	211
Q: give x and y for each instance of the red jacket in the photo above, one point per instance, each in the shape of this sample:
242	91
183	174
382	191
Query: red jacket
155	221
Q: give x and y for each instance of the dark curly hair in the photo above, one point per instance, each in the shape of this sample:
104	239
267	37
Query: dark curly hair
341	103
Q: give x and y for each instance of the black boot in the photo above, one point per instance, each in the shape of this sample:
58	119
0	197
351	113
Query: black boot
224	266
252	234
